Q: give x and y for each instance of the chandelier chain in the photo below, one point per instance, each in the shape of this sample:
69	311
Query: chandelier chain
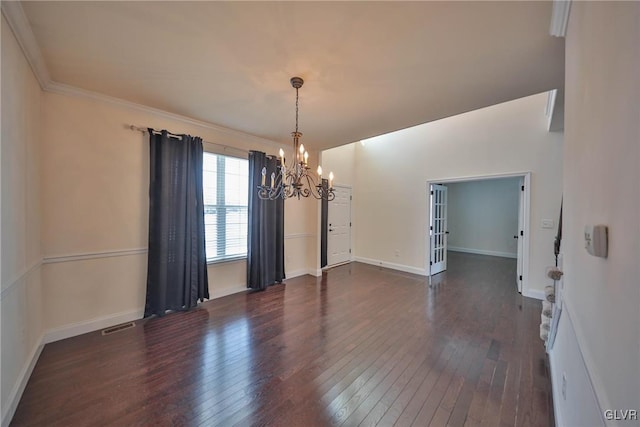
296	110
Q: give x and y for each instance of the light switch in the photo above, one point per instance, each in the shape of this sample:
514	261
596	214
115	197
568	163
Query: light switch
547	223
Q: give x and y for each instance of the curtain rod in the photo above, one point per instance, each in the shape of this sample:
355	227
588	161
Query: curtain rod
224	147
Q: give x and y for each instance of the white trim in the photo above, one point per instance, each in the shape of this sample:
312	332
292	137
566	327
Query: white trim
314	272
393	266
14	13
19	24
16	393
93	255
559	17
302	272
556	394
329	267
18	278
63	89
551	104
97	323
296	273
483	252
479	177
598	389
533	293
226	291
298	236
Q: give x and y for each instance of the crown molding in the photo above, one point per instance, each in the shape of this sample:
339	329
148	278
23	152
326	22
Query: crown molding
64	89
560	17
19	24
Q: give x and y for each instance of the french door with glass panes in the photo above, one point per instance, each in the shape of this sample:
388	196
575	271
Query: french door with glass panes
438	229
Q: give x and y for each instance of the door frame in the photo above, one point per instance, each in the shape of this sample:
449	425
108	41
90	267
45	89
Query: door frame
351	256
526	176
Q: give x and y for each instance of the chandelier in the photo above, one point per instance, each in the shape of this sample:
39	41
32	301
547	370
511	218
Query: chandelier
294	179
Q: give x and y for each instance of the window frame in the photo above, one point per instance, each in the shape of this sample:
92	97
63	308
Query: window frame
212	149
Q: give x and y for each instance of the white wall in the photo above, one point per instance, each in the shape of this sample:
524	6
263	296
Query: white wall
95	195
21	299
390	190
482	216
342	162
601	177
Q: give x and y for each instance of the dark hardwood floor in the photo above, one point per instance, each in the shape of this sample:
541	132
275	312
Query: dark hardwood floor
360	346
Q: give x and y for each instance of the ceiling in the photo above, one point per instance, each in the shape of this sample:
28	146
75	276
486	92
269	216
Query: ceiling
369	67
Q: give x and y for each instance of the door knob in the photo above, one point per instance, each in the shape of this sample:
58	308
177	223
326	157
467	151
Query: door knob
331	229
515	237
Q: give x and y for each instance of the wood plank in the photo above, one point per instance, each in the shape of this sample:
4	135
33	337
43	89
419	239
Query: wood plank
361	345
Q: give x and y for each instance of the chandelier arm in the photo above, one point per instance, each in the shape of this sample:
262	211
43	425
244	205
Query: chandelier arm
294	180
314	189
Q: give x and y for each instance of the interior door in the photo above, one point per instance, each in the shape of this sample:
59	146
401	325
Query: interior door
438	229
520	236
339	232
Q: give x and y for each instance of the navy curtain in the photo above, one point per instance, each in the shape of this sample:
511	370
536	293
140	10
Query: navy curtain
177	263
265	240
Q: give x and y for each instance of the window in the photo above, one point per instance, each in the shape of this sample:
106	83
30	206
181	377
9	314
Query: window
225	182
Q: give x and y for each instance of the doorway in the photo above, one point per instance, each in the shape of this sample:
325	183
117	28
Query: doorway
339	227
493	220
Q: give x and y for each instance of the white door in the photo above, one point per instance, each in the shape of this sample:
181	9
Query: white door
520	236
339	231
438	229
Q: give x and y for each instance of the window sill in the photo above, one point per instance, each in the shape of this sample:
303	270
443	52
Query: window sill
226	260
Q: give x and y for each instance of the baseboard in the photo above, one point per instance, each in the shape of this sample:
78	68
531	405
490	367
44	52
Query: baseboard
304	271
482	252
91	325
393	266
533	293
23	379
228	291
315	272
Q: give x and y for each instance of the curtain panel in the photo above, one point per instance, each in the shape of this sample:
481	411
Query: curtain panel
177	265
265	240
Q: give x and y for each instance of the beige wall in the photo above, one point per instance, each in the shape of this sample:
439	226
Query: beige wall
21	299
601	177
390	191
95	185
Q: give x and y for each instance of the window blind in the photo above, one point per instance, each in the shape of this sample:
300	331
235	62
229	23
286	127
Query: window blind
225	187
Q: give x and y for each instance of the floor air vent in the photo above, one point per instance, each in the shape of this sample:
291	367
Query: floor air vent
118	328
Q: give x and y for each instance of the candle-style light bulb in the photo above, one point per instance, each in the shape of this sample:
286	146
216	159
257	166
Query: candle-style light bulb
273	179
264	176
320	172
301	148
281	153
306	158
330	179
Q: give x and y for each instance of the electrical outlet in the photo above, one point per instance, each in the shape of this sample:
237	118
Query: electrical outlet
397	252
564	386
547	223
